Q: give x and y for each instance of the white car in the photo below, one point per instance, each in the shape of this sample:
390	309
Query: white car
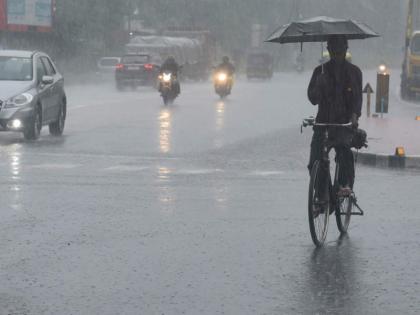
31	94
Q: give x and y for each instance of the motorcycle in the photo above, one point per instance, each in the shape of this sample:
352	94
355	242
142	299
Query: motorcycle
222	84
168	87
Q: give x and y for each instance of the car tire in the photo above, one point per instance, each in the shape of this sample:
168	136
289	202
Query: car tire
33	130
57	127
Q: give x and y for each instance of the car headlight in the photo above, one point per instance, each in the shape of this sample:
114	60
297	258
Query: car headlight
19	100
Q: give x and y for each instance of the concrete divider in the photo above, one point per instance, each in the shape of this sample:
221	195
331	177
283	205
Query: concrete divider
387	161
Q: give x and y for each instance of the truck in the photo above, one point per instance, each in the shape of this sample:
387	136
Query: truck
193	49
259	65
410	75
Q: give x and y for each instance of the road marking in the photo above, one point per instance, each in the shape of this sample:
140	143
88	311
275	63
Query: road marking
126	168
54	166
196	171
266	173
108	156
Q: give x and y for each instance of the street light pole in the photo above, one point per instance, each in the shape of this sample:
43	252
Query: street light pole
129	17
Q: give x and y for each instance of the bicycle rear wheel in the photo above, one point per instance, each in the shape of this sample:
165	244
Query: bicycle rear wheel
343	213
318	204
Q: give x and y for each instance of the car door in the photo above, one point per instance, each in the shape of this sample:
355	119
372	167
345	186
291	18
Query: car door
55	88
44	90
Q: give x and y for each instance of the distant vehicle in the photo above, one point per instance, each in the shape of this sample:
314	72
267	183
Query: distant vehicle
195	49
168	87
106	66
31	94
135	70
300	63
223	83
259	65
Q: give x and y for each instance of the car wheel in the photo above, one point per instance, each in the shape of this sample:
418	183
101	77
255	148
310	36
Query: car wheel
33	129
57	127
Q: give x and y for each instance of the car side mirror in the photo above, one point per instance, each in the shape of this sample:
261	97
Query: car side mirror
46	80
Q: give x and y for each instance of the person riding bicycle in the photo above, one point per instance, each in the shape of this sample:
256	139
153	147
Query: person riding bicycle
336	87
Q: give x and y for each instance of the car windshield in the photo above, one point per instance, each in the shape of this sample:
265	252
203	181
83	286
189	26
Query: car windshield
138	59
15	69
415	45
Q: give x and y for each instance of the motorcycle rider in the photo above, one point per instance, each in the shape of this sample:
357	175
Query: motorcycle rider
336	87
227	67
170	65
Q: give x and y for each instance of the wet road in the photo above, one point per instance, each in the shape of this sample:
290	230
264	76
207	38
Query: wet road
196	208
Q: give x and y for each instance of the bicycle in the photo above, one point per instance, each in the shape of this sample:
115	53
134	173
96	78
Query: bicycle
324	197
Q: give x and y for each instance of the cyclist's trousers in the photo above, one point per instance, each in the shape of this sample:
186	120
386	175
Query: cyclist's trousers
345	158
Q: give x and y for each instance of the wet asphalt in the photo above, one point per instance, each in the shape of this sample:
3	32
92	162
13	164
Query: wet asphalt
194	208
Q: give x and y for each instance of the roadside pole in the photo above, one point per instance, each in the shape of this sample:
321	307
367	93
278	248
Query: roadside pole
368	90
382	91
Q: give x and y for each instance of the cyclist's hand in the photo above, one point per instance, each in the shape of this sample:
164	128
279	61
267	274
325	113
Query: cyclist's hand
355	121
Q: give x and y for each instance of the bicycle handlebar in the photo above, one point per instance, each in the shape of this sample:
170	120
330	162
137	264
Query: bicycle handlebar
311	122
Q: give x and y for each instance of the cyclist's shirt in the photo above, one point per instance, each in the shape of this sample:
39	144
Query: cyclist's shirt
341	97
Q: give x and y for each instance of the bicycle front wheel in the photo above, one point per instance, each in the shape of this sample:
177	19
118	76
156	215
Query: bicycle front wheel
318	204
343	213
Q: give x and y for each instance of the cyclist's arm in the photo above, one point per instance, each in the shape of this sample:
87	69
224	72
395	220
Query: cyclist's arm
358	95
314	94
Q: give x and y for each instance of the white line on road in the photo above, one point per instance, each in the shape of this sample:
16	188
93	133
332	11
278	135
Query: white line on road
266	173
126	168
54	166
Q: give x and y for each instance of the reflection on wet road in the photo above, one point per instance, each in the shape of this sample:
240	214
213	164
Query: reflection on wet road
220	124
165	130
331	274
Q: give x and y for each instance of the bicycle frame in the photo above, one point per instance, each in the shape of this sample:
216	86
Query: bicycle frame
325	163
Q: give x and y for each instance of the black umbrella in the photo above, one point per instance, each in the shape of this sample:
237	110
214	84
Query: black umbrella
319	29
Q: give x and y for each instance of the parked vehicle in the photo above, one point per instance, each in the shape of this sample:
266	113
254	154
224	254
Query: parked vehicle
135	70
31	94
259	65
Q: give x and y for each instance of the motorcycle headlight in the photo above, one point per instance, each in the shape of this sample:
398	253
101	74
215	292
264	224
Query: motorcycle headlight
222	77
19	100
167	77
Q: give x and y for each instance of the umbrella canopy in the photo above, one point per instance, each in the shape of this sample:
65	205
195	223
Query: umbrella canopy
319	29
